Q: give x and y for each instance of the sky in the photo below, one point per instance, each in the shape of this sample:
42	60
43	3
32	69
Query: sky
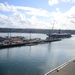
39	14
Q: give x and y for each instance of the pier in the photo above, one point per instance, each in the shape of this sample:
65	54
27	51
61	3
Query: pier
21	41
68	68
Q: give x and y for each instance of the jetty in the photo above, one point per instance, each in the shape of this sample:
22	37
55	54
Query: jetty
21	41
68	68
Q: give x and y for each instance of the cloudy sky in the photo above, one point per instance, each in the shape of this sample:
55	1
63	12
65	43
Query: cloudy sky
37	14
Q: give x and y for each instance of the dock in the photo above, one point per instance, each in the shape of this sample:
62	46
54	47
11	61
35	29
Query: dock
29	42
67	68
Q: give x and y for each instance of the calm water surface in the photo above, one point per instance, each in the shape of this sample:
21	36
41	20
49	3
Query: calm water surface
38	59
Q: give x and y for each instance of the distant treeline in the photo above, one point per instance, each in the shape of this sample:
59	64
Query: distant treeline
41	31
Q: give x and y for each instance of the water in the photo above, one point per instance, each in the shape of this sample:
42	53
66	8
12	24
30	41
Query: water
38	59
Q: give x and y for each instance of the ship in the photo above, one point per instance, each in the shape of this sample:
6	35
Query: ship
59	35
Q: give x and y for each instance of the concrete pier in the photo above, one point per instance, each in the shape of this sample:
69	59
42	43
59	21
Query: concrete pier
67	68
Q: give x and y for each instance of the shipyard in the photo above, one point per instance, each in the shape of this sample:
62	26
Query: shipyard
7	41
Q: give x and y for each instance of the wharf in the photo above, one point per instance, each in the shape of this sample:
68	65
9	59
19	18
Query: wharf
67	68
28	43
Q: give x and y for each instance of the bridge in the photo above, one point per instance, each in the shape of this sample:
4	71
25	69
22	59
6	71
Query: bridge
41	31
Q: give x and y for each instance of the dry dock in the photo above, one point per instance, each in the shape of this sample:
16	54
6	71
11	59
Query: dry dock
67	68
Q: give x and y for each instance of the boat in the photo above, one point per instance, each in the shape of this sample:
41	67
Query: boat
59	35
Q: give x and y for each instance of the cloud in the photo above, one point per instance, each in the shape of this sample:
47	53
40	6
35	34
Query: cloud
34	11
37	23
64	20
38	12
27	17
30	11
3	21
53	2
67	0
7	8
17	20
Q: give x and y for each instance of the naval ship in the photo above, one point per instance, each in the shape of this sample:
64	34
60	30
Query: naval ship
59	35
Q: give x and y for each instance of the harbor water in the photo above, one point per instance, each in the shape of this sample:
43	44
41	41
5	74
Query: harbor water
36	59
